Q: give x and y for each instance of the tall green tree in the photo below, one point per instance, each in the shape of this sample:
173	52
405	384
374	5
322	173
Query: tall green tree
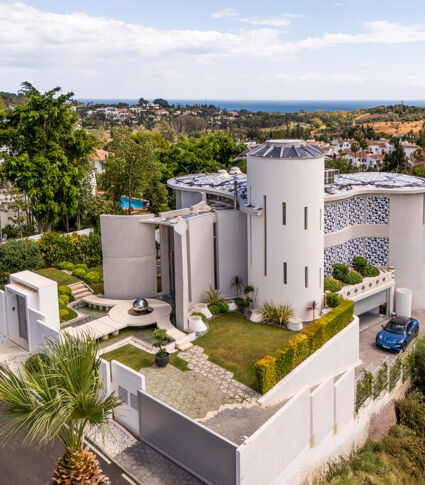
396	161
47	156
133	170
58	395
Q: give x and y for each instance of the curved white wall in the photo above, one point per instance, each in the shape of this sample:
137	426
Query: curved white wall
299	183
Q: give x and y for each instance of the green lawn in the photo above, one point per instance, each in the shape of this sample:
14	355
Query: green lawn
57	275
235	343
136	358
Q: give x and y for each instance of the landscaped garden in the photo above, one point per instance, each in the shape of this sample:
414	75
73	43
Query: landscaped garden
137	359
235	343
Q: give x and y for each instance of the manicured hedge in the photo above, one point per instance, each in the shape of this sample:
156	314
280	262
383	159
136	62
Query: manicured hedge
56	248
19	255
273	367
331	284
220	307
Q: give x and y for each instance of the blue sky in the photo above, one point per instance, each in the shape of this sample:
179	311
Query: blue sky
188	49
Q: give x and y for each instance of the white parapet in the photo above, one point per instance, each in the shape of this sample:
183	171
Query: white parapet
404	302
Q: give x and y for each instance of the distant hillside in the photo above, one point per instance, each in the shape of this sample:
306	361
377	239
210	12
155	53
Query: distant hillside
12	99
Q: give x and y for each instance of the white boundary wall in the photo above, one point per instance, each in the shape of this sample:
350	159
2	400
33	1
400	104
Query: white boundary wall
126	383
336	356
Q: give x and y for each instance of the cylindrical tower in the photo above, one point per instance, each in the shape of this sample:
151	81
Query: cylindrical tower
285	241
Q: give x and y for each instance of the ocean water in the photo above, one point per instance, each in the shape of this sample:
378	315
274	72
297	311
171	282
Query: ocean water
292	106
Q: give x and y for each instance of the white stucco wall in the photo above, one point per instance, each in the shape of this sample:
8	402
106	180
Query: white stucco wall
322	411
299	183
407	243
344	399
186	198
126	383
129	256
272	447
336	356
181	275
200	260
39	331
232	249
3	327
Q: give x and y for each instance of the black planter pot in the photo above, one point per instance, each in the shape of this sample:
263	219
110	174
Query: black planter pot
162	361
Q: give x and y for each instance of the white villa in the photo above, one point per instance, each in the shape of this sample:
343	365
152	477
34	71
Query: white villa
279	227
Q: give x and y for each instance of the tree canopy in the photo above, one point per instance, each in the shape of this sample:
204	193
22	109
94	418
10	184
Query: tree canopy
47	157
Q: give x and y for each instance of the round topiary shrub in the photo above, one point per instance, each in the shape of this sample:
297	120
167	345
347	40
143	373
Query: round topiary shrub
65	299
339	271
79	273
370	270
61	301
65	290
333	300
359	264
199	314
352	278
81	266
331	284
93	277
66	265
63	314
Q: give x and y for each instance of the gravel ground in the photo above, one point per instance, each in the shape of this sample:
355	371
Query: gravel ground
114	440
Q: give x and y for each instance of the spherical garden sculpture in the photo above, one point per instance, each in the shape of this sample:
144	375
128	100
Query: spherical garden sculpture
140	305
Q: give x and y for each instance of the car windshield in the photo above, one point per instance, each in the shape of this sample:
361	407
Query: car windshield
395	327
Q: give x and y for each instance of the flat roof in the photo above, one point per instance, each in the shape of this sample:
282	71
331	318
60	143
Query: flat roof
223	184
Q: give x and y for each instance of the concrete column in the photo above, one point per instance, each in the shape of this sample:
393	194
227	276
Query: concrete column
181	275
165	262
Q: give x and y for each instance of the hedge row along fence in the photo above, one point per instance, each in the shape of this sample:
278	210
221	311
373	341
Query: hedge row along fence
276	365
384	378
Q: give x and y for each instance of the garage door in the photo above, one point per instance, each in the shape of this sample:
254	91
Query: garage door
371	302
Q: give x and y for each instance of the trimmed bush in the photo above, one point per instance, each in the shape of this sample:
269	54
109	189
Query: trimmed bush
219	308
79	273
331	284
19	255
61	301
55	248
93	277
339	271
63	314
65	290
273	367
199	314
65	298
81	266
66	265
370	270
352	277
333	300
359	264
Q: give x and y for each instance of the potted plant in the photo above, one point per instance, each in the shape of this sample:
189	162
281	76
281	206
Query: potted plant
162	357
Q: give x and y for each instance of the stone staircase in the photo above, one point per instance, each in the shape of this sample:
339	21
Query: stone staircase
80	290
182	342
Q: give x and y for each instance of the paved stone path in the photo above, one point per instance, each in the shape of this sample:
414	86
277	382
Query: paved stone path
206	387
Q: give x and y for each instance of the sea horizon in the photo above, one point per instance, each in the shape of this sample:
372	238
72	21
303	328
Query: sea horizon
270	106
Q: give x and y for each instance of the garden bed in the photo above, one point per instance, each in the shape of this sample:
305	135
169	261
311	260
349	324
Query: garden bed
235	343
137	359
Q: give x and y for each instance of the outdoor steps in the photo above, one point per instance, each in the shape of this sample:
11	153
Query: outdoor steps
182	342
80	290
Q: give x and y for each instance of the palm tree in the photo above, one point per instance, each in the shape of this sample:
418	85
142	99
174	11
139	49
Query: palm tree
237	283
312	306
58	394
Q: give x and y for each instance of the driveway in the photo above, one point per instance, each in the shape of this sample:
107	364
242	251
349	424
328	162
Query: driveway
369	352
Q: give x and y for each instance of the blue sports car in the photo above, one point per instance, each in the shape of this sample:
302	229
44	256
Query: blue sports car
397	333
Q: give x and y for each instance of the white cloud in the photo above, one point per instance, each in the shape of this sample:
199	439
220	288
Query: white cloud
227	12
279	20
319	77
415	81
338	4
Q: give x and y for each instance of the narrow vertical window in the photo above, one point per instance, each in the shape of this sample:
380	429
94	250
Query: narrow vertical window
265	234
284	213
305	217
285	273
306	276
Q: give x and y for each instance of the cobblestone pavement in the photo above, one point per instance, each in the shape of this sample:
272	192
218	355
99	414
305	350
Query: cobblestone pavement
151	468
204	388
